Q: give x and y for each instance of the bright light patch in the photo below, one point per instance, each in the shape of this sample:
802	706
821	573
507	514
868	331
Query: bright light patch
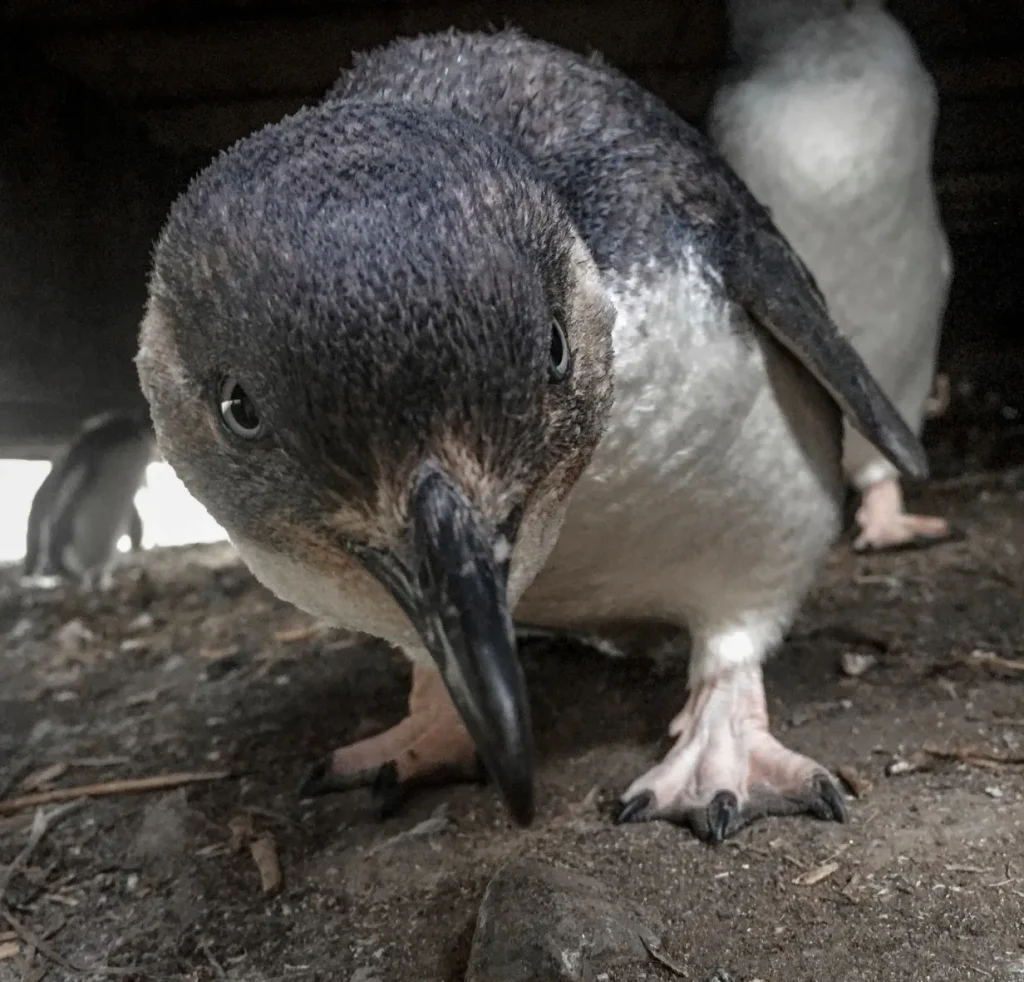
170	515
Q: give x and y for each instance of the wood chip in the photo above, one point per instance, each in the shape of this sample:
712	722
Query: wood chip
41	778
938	399
437	823
262	848
140	785
994	662
915	764
291	636
816	875
8	949
216	654
856	663
860	786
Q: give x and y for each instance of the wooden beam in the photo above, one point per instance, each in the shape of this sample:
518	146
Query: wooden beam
979	203
291	56
213	126
980	134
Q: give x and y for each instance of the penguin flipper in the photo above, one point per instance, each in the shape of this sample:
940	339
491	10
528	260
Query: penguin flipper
764	275
135	529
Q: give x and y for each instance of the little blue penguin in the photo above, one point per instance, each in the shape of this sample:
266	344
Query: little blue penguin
828	115
491	336
86	502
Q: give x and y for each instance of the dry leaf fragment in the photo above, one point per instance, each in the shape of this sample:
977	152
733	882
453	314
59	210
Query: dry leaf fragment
264	854
262	848
816	875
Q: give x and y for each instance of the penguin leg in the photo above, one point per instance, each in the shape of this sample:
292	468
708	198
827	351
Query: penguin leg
726	769
884	525
429	747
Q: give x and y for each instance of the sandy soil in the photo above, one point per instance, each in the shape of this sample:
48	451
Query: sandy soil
189	665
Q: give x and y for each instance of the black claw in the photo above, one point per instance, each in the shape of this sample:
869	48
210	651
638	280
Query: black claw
387	791
390	794
722	815
319	781
833	800
636	809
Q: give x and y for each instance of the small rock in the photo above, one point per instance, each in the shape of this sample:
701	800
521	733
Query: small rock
1014	970
542	924
916	763
21	629
855	663
994	792
364	975
74	636
143	622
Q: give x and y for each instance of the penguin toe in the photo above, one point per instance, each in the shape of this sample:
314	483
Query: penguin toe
728	813
909	541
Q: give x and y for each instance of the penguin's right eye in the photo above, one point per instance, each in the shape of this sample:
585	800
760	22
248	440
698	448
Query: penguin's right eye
237	411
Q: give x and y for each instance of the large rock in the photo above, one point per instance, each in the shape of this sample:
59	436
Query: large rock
538	923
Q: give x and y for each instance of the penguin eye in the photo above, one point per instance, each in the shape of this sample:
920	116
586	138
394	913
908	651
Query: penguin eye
561	357
238	412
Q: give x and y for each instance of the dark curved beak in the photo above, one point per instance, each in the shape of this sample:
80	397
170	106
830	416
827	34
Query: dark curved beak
456	598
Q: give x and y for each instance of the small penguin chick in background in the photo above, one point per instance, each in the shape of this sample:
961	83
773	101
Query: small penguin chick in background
86	503
491	333
829	116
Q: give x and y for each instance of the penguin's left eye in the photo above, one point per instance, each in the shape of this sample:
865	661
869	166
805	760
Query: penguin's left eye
238	412
561	357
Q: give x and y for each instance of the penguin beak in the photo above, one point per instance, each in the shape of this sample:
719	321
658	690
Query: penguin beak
457	600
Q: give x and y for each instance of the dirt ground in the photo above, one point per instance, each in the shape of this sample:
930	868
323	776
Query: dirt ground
189	665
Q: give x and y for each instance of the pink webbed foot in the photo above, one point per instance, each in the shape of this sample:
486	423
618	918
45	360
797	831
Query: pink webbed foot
885	527
726	770
429	747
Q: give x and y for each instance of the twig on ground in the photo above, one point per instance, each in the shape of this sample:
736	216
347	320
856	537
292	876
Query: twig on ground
661	958
42	823
141	785
993	662
35	941
976	756
216	965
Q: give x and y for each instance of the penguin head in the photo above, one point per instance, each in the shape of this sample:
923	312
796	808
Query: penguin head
379	353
